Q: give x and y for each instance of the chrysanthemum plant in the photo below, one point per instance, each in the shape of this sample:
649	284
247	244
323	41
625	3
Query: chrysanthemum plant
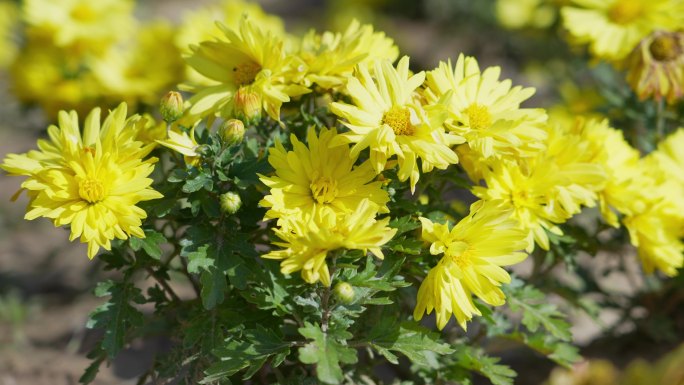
302	217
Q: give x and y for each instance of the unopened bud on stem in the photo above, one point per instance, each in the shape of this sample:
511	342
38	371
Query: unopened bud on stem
171	106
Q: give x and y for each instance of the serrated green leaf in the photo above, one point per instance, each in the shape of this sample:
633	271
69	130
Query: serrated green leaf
201	181
250	351
150	244
326	352
117	316
474	359
408	338
404	224
536	311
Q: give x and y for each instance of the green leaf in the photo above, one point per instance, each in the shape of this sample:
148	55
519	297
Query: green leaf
150	244
250	351
117	316
474	359
404	224
410	339
326	353
536	310
199	182
91	371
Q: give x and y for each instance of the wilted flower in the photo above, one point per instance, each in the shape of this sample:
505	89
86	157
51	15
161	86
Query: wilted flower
656	67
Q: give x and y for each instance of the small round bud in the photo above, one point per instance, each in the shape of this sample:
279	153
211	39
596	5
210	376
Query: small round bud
344	292
171	106
230	202
232	131
247	104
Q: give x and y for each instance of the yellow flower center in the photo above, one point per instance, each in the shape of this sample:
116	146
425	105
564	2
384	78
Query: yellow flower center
520	198
399	119
460	253
245	73
625	11
665	47
324	189
91	190
479	117
83	12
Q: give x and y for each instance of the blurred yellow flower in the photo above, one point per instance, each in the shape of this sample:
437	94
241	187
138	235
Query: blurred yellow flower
516	14
9	17
250	58
318	181
80	24
90	180
613	28
331	57
474	251
306	244
387	117
53	79
127	72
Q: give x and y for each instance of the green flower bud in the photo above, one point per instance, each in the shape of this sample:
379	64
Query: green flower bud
230	202
171	106
344	292
232	131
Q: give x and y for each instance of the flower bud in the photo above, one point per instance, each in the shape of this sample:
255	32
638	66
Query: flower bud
247	104
230	202
232	131
344	292
171	106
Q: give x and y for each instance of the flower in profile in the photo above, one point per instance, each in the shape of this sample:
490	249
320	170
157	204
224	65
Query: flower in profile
387	117
182	142
331	57
307	243
485	110
474	251
89	180
656	67
249	60
612	28
318	180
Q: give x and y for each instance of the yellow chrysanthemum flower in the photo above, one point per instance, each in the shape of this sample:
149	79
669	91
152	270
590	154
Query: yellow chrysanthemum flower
306	244
200	25
387	117
531	194
318	181
251	61
331	57
80	24
485	110
614	27
89	180
127	72
474	251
